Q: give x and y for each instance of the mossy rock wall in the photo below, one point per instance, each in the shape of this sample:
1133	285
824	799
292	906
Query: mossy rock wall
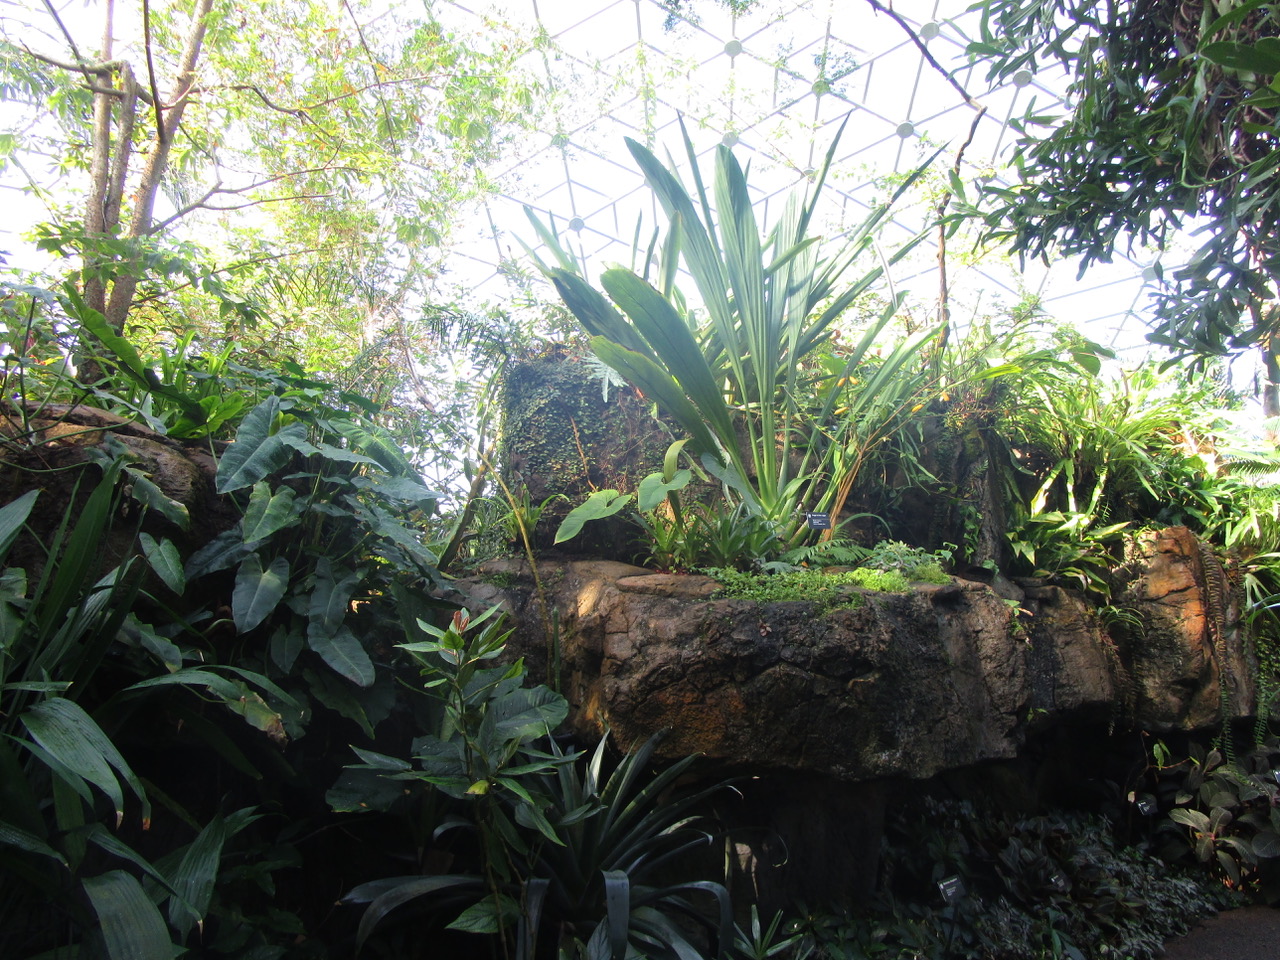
563	435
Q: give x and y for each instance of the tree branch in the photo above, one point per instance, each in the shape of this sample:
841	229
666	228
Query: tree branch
153	172
113	202
944	294
218	188
75	51
203	204
151	68
386	112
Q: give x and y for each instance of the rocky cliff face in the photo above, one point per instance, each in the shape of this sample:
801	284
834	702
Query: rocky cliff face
831	714
904	685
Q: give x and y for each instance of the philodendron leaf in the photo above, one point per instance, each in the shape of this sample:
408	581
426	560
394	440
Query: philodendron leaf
344	653
528	712
268	512
329	600
653	489
601	504
165	560
257	591
131	926
151	496
257	451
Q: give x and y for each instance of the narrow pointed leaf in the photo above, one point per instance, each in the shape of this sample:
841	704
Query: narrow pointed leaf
195	876
72	737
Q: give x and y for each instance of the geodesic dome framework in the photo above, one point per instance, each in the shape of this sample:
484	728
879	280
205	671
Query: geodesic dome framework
775	82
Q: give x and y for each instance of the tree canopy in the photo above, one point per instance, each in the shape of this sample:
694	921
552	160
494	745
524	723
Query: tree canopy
1172	128
304	146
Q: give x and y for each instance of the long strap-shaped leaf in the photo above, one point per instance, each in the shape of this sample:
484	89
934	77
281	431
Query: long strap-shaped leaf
671	340
132	928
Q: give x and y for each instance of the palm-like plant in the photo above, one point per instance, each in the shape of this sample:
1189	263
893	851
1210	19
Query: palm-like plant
736	384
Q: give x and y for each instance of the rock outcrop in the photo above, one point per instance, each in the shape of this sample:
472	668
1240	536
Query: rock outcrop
902	685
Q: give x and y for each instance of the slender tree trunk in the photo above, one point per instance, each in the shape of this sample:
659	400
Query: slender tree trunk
157	163
95	213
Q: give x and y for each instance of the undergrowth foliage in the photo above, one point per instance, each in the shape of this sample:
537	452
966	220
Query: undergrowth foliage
1050	886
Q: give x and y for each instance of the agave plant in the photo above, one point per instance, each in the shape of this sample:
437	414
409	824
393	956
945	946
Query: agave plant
737	384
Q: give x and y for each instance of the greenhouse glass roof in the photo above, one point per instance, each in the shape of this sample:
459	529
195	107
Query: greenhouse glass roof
775	83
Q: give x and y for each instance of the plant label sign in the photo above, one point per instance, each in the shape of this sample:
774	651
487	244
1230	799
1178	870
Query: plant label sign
952	889
818	521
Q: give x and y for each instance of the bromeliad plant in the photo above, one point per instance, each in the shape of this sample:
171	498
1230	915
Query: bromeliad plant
739	384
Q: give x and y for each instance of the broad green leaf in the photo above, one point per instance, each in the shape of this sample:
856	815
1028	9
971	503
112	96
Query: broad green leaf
363	791
258	714
398	488
387	895
673	344
165	560
194	878
257	451
1259	57
72	738
376	442
286	644
1192	818
601	504
658	385
330	600
528	712
487	916
339	697
382	761
653	489
215	683
221	553
268	512
131	926
344	652
257	591
327	450
151	496
164	649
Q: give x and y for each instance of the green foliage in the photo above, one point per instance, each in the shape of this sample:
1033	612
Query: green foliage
770	304
914	564
1052	886
828	590
882	581
1223	815
1184	105
562	846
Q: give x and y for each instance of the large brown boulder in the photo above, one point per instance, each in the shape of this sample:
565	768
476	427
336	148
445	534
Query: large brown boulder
55	449
902	685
